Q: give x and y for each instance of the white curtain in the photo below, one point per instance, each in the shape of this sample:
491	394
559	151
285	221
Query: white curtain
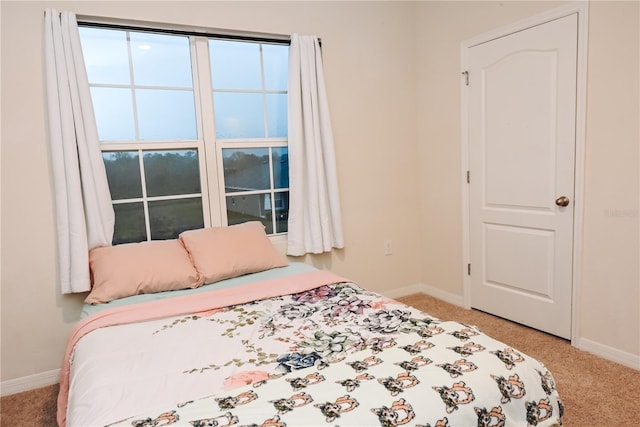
315	223
84	213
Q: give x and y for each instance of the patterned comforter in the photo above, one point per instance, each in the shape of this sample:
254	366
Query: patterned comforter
335	354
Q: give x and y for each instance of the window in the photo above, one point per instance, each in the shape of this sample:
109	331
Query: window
193	129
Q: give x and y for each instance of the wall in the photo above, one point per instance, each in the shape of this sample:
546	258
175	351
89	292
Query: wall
392	71
609	280
610	297
369	73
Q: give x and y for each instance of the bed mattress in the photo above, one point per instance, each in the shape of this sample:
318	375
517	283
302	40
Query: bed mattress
294	346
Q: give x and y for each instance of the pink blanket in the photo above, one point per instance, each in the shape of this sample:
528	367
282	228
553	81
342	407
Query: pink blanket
194	303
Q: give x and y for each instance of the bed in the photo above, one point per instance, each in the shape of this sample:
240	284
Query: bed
292	346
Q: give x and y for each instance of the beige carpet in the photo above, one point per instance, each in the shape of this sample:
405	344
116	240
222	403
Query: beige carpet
596	392
30	409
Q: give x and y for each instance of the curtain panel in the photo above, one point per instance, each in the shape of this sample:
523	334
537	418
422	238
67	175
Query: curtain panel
315	223
84	214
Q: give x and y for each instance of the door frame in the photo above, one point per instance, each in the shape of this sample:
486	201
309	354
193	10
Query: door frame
582	10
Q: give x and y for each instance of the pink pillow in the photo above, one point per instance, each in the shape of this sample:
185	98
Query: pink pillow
140	268
224	252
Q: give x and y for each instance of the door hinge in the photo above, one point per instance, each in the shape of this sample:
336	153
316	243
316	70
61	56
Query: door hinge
466	77
468	177
468	269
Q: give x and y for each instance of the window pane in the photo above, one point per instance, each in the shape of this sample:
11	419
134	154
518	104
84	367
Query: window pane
113	109
239	115
276	66
171	172
254	207
280	167
105	55
161	60
129	225
235	65
123	174
277	114
143	87
246	169
166	114
281	211
169	218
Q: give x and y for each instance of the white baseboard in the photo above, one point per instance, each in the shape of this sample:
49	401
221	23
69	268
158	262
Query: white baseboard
29	382
444	295
428	290
404	291
613	354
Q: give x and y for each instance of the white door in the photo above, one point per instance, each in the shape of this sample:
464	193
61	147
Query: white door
522	127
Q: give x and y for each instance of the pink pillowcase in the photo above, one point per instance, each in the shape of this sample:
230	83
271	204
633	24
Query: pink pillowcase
223	252
140	268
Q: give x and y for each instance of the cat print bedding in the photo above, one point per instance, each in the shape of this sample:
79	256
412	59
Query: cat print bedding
311	349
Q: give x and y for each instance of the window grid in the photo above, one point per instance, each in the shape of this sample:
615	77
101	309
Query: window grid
134	102
265	117
145	199
208	148
145	202
249	143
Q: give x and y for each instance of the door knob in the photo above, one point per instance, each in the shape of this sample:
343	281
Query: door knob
562	201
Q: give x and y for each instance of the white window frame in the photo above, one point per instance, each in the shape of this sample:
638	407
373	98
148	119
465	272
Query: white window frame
208	147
